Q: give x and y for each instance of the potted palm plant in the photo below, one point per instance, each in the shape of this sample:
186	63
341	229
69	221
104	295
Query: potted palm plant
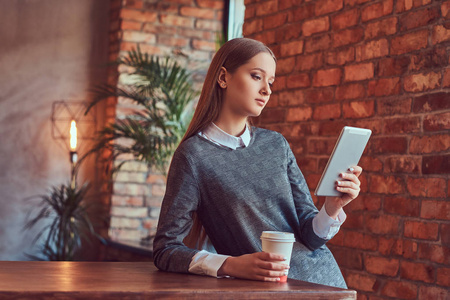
68	222
163	92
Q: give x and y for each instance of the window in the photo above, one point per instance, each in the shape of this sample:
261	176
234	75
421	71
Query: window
236	14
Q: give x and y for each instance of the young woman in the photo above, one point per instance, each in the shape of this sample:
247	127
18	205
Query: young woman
231	181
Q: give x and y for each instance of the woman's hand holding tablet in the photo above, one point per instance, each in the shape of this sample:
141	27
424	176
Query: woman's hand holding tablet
340	180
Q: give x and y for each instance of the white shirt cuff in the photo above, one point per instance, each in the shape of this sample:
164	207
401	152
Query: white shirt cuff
325	226
206	263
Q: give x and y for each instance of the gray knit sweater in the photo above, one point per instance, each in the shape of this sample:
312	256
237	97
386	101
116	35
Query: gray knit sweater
238	194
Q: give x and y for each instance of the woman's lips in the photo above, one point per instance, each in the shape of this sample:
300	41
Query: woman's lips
261	102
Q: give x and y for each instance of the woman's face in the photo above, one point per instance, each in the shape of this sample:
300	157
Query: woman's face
248	88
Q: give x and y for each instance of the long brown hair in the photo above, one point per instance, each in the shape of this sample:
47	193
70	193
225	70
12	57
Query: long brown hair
231	56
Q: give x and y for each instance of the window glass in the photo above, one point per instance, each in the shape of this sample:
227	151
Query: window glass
235	18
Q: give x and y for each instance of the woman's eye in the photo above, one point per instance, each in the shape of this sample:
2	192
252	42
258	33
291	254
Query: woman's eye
256	76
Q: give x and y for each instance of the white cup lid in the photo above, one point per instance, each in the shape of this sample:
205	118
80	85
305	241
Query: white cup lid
278	235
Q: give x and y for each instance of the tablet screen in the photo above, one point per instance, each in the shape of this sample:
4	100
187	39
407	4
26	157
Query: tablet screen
346	153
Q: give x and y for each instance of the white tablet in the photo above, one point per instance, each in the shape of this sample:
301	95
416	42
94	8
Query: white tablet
346	153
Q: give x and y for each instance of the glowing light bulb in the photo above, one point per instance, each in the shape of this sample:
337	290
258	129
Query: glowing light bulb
73	136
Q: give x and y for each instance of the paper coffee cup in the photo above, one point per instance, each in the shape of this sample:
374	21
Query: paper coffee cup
279	243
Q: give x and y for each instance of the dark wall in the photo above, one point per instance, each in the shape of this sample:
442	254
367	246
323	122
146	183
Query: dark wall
50	50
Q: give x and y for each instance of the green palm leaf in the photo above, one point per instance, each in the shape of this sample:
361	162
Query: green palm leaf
69	222
164	91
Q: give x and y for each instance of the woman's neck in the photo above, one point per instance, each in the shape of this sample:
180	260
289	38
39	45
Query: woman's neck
234	126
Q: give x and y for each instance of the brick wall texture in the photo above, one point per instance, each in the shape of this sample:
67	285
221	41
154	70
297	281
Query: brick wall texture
382	65
184	29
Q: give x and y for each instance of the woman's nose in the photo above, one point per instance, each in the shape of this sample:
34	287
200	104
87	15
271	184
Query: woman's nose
266	90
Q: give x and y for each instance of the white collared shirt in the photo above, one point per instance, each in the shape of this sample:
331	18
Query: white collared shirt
206	263
221	138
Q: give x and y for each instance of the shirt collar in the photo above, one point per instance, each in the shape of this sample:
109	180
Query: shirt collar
217	135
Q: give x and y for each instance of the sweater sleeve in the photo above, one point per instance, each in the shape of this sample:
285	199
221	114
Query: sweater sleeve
175	221
304	205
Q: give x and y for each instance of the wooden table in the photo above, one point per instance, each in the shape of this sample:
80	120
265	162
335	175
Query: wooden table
135	280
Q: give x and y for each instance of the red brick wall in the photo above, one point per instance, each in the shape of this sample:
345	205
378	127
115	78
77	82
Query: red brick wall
113	53
174	27
382	65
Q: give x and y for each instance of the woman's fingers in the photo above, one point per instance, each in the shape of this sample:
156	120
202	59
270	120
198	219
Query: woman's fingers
349	193
269	266
272	266
270	273
257	266
272	279
348	184
352	193
351	177
271	262
270	256
357	170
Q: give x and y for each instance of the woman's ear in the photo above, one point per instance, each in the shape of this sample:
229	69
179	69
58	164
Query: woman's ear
222	78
